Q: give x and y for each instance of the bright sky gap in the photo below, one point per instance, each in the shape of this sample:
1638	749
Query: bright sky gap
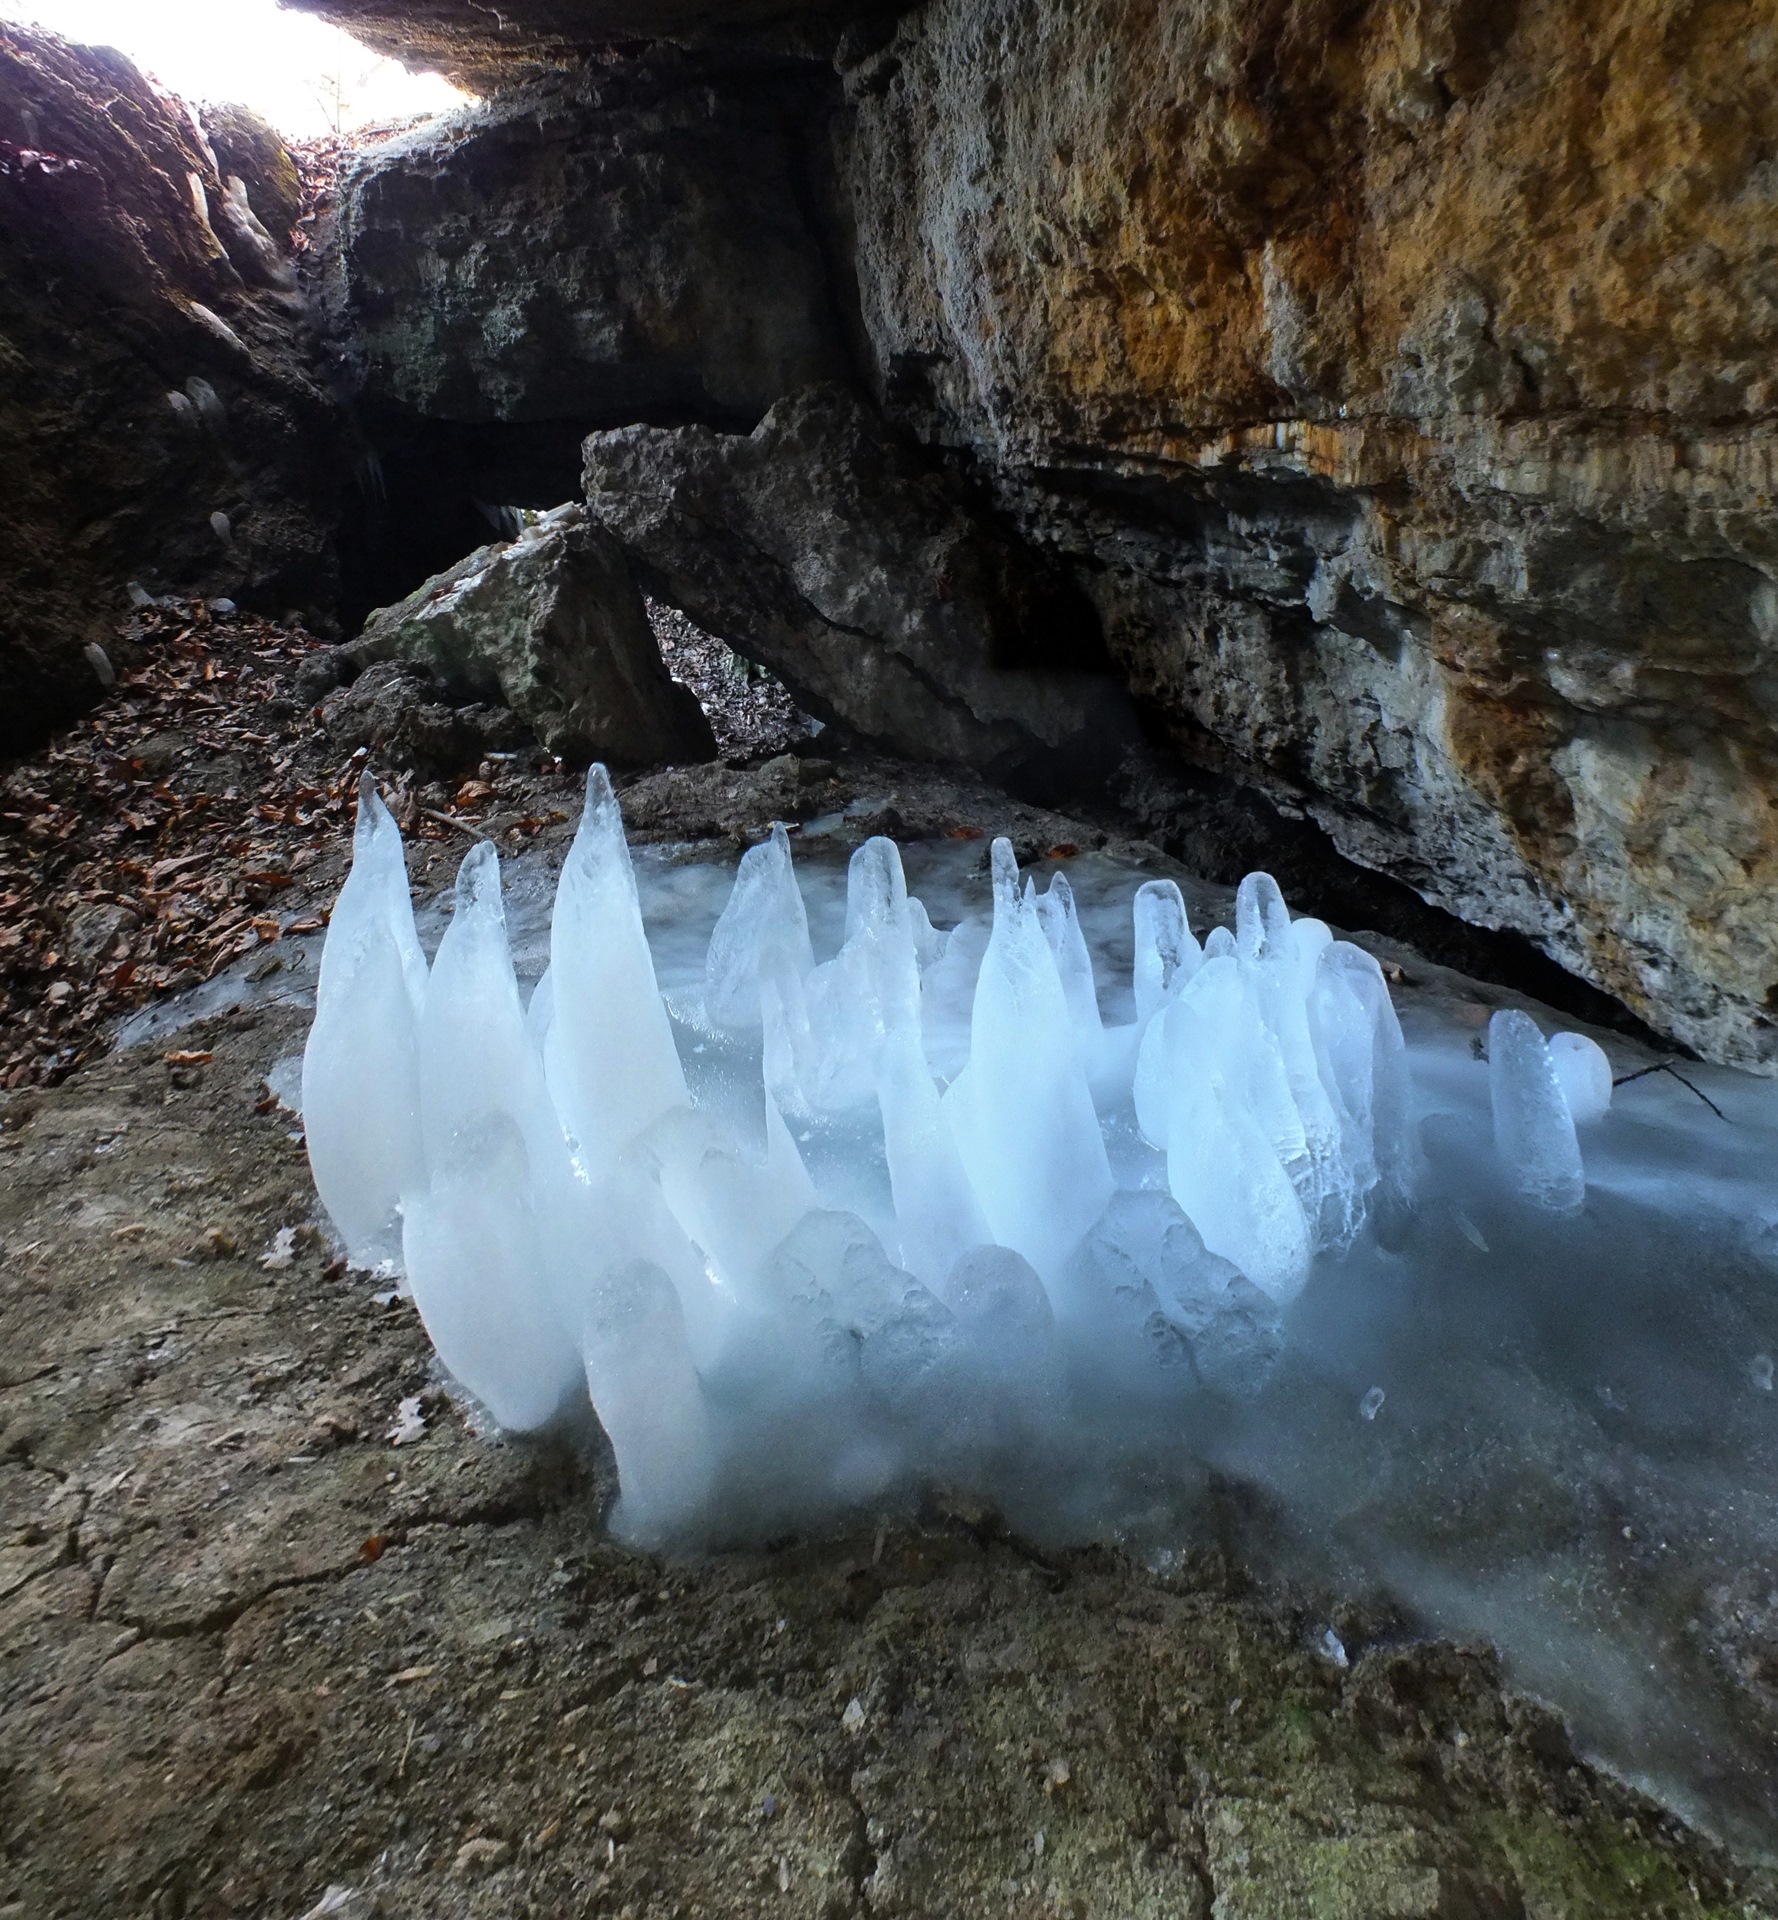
302	75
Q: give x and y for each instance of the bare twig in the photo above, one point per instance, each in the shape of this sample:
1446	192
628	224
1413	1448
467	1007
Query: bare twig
1666	1066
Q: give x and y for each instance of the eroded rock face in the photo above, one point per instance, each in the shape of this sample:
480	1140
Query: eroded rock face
627	243
1403	379
1396	379
159	415
407	717
859	573
483	47
551	626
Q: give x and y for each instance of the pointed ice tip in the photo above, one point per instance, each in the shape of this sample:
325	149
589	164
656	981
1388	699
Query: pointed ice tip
600	851
371	811
478	880
598	787
1004	865
600	819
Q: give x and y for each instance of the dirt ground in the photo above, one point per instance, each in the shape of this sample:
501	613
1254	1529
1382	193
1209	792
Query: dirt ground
280	1634
278	1629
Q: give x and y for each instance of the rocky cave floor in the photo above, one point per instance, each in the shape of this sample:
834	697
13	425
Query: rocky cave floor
280	1633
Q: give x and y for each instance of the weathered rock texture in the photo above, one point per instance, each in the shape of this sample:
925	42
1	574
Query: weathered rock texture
630	241
409	719
484	47
551	626
854	569
158	419
632	244
1398	378
1403	377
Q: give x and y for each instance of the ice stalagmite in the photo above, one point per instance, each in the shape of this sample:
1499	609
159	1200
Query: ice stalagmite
1020	1111
936	1212
764	918
1359	1038
1061	927
953	1278
476	1052
1166	954
361	1095
1279	960
475	1240
1233	1130
1585	1073
640	1376
1533	1129
610	1057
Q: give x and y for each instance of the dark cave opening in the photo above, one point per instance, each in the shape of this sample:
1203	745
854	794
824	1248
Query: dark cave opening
428	492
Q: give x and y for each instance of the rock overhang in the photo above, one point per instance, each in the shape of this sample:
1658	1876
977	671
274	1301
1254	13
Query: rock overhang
482	47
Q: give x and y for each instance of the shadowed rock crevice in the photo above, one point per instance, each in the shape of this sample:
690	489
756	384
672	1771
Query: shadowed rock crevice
860	573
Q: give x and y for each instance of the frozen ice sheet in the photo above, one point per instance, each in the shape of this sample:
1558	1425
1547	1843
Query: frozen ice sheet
1478	1331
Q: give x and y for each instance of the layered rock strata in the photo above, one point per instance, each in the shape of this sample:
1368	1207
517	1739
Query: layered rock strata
161	418
1402	381
1395	381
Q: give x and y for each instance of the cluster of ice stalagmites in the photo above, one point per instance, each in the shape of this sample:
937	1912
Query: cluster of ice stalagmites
951	1266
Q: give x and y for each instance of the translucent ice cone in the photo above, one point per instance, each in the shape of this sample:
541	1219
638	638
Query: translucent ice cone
476	1262
612	1065
1533	1129
764	915
649	1400
361	1101
1021	1112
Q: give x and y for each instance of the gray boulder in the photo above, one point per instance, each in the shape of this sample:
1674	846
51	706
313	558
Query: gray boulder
550	625
404	715
862	576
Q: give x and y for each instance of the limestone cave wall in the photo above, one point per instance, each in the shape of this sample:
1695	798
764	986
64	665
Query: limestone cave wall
1400	377
1385	387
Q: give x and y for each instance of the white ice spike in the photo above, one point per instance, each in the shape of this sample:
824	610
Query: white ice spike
912	1209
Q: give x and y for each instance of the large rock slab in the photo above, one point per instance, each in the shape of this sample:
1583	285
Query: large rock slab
160	418
550	625
484	47
630	243
1403	381
859	573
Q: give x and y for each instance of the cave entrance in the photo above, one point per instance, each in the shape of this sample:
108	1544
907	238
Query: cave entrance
428	492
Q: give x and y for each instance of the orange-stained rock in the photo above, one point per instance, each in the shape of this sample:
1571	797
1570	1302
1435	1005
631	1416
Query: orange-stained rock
1403	376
